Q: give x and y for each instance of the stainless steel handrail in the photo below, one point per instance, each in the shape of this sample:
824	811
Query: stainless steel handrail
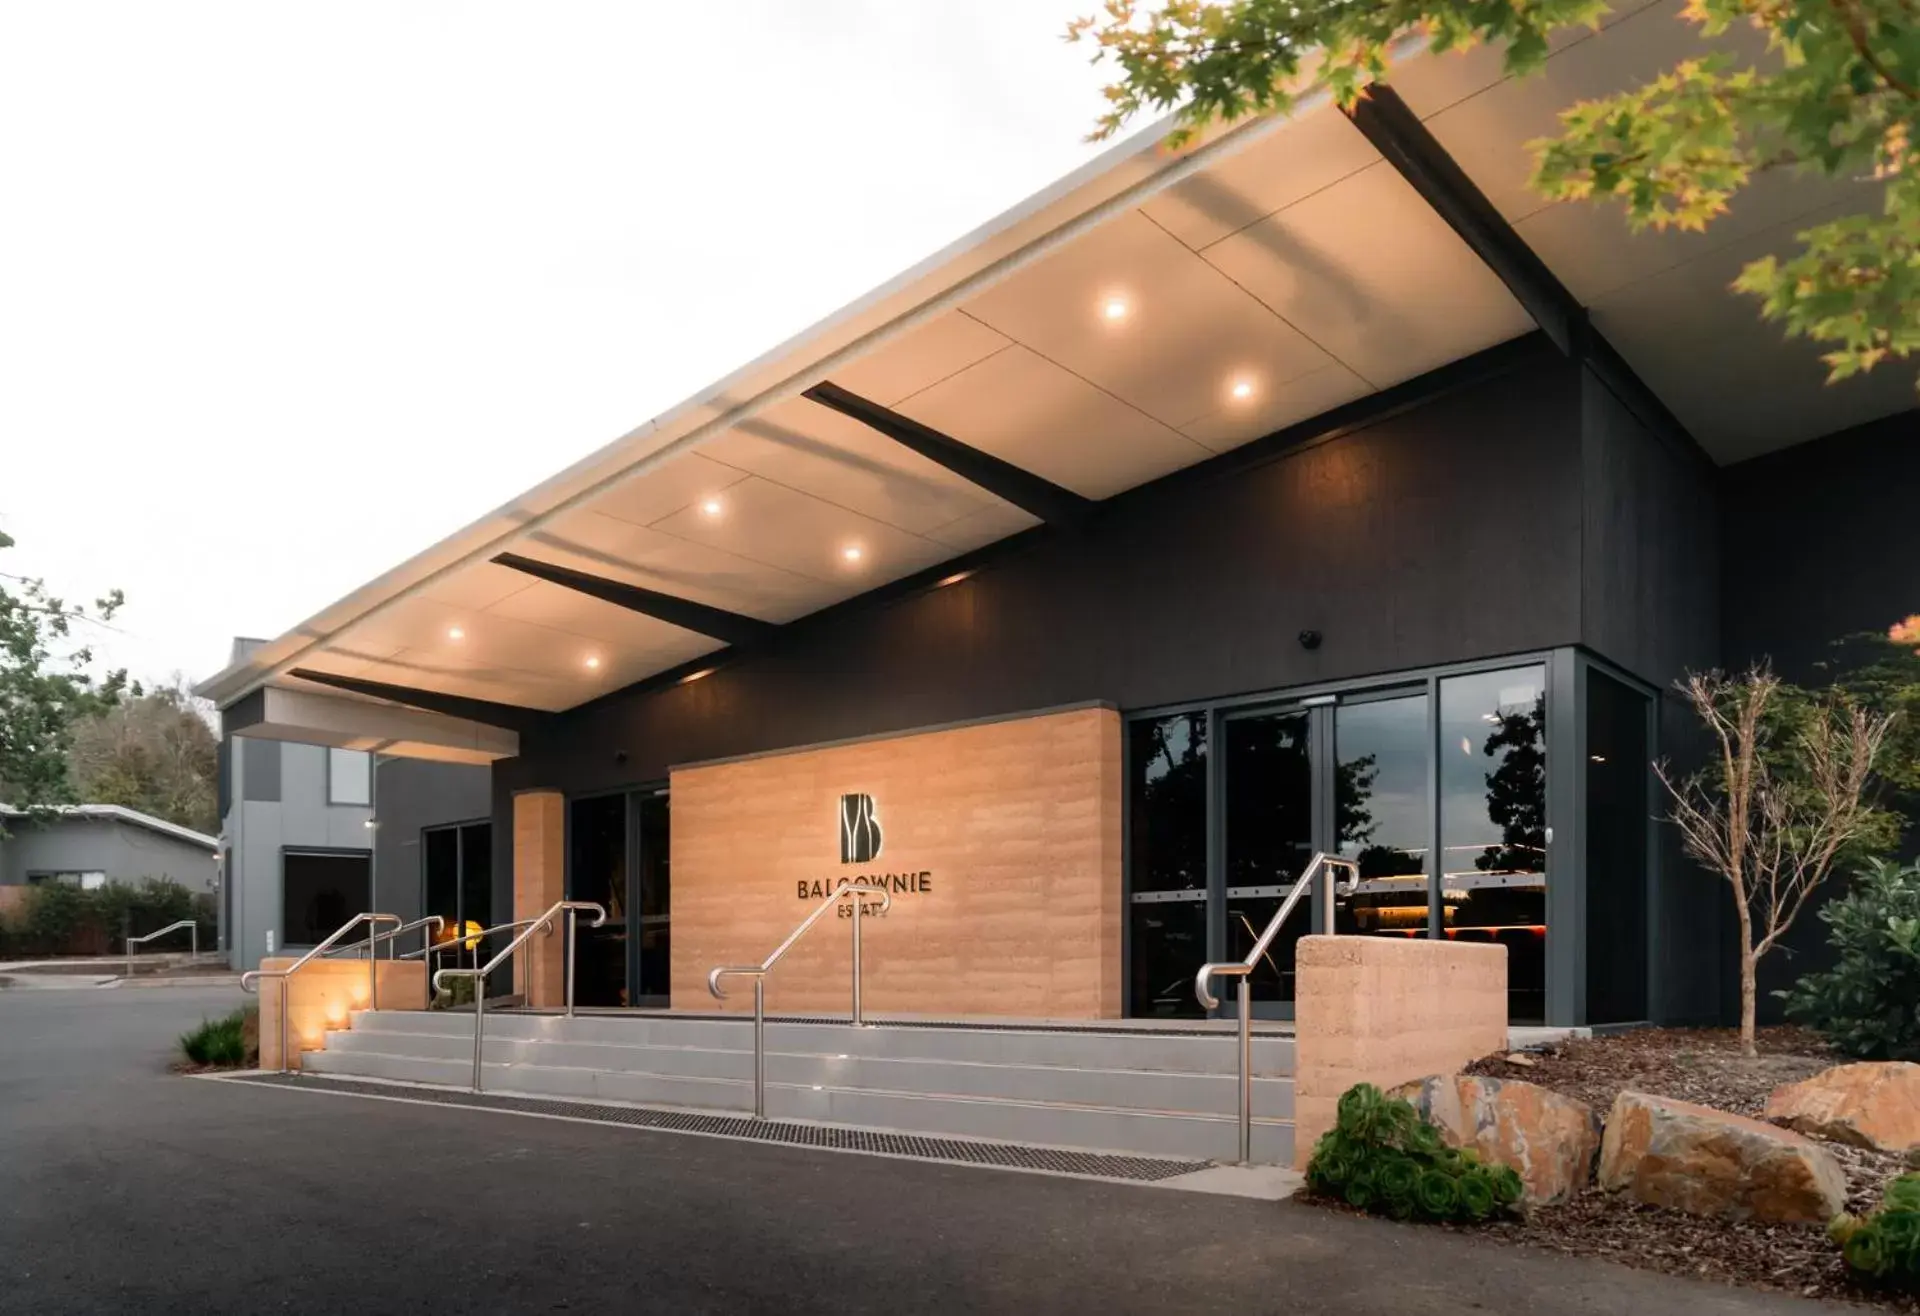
390	936
758	972
479	975
193	941
462	940
1323	865
471	942
250	980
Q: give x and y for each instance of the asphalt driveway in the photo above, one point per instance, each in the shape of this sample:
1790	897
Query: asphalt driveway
126	1189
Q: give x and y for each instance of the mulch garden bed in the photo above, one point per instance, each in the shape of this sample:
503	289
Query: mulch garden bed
1703	1066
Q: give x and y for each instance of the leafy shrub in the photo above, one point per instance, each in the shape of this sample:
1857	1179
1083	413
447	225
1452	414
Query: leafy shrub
1885	1244
458	993
231	1041
1868	1004
1381	1156
58	918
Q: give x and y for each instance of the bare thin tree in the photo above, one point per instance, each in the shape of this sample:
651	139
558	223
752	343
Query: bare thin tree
1784	803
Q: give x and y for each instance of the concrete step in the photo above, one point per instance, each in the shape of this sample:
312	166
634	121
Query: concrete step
1054	1124
1194	1052
1126	1088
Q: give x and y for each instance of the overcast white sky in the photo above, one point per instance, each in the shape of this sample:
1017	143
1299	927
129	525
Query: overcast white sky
289	292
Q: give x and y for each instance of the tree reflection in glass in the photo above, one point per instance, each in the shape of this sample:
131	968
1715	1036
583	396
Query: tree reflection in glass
1493	784
1380	813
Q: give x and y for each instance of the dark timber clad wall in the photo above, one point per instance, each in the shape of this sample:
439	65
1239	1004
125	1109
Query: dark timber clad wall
1821	541
1450	531
1650	602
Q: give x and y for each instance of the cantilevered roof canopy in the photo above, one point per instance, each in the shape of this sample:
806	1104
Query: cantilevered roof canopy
1148	311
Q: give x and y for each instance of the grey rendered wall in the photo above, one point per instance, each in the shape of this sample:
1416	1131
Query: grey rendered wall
258	830
409	795
1448	531
1650	603
125	852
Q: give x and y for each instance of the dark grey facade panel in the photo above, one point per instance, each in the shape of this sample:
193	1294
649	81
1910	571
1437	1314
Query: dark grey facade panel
1650	575
1821	541
1448	531
260	771
410	795
1650	603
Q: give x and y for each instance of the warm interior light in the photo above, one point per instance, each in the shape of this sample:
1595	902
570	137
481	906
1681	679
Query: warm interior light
1243	389
455	633
1116	308
1597	758
691	677
711	507
852	553
954	579
593	660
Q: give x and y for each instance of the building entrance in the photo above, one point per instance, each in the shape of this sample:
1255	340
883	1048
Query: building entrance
618	857
1436	788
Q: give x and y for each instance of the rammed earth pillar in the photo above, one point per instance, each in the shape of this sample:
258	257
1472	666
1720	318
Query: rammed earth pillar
539	879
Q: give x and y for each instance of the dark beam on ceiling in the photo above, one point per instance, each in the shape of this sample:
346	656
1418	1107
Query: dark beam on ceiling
1025	490
716	623
511	717
1397	133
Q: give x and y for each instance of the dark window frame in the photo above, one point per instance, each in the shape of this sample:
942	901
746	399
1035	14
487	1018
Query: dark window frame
319	851
1565	672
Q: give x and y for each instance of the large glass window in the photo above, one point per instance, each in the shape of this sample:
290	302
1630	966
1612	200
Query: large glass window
1493	822
1617	820
1380	813
457	874
320	892
457	867
1167	843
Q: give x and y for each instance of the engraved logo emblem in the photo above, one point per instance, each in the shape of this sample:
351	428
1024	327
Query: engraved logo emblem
860	835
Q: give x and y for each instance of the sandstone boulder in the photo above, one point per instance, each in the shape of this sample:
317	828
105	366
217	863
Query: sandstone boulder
1868	1105
1548	1139
1707	1162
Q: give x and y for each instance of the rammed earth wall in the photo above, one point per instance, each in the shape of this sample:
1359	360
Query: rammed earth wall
998	842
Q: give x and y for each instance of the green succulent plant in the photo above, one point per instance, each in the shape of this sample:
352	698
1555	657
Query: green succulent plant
1381	1156
1886	1243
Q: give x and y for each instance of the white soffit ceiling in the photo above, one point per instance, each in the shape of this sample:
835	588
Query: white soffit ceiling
1293	273
1288	272
1663	298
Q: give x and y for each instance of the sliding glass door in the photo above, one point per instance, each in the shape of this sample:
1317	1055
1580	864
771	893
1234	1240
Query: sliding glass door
1434	784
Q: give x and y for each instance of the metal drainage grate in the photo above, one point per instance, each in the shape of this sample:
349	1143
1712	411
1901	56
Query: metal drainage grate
964	1151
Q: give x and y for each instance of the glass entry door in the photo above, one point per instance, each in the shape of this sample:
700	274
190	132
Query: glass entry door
1271	797
617	856
1227	810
